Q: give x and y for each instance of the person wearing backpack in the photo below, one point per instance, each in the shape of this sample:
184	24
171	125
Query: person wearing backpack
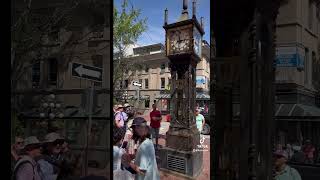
49	162
120	117
26	167
284	171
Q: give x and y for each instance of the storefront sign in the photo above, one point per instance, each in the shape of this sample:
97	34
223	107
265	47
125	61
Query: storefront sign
289	57
200	80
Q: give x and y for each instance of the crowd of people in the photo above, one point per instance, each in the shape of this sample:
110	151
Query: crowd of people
294	154
46	160
50	159
301	154
135	142
134	154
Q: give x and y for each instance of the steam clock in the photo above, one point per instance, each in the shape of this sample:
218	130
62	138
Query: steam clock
183	48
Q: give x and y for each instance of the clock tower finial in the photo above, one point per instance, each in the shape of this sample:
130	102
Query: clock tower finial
184	15
185	4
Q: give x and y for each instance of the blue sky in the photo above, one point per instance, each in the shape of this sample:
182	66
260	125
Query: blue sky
154	11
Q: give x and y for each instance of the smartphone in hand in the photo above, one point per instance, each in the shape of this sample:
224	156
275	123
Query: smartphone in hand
143	171
124	144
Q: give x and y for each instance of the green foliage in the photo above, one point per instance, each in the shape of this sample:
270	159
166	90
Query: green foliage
18	128
127	28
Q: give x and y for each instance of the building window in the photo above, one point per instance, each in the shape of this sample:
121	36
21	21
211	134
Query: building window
146	84
162	68
126	83
97	60
147	103
140	82
146	69
315	71
169	84
310	18
98	84
163	83
306	66
120	84
53	72
36	75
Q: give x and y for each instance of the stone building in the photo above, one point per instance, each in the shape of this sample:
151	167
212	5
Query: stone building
297	71
155	78
53	75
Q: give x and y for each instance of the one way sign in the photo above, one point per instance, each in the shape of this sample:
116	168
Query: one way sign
87	72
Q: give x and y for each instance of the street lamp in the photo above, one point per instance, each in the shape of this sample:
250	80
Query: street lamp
50	108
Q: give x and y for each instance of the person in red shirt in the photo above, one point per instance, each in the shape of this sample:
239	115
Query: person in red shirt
155	120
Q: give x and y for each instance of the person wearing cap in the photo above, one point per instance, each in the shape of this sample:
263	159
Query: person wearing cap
155	123
200	121
26	167
145	164
284	171
49	163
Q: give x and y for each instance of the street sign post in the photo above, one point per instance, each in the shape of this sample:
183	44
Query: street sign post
138	85
87	72
92	74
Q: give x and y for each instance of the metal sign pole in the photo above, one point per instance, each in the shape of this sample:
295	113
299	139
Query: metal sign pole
138	95
89	127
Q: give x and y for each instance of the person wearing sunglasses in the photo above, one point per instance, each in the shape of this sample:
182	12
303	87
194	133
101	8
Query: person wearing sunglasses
26	167
284	171
49	162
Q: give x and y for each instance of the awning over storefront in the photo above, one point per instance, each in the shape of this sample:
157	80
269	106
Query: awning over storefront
199	96
297	112
135	97
286	112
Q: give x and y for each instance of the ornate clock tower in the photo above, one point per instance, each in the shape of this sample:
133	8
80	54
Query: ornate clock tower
183	48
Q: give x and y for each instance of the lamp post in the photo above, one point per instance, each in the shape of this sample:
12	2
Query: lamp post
50	109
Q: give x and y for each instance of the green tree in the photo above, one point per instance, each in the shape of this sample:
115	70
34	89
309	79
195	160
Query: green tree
127	28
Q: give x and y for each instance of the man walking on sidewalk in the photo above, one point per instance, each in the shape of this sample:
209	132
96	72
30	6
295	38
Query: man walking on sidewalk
155	120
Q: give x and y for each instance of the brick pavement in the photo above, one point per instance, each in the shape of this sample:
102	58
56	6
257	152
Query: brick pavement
204	175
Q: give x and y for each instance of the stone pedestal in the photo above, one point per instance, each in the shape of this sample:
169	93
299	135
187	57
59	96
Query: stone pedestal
180	155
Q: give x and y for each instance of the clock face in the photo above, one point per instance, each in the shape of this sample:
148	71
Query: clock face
197	41
179	41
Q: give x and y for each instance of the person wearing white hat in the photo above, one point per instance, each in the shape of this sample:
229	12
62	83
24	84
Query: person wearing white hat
284	171
49	161
119	117
26	167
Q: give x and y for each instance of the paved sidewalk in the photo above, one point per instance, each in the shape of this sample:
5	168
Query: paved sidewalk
204	175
